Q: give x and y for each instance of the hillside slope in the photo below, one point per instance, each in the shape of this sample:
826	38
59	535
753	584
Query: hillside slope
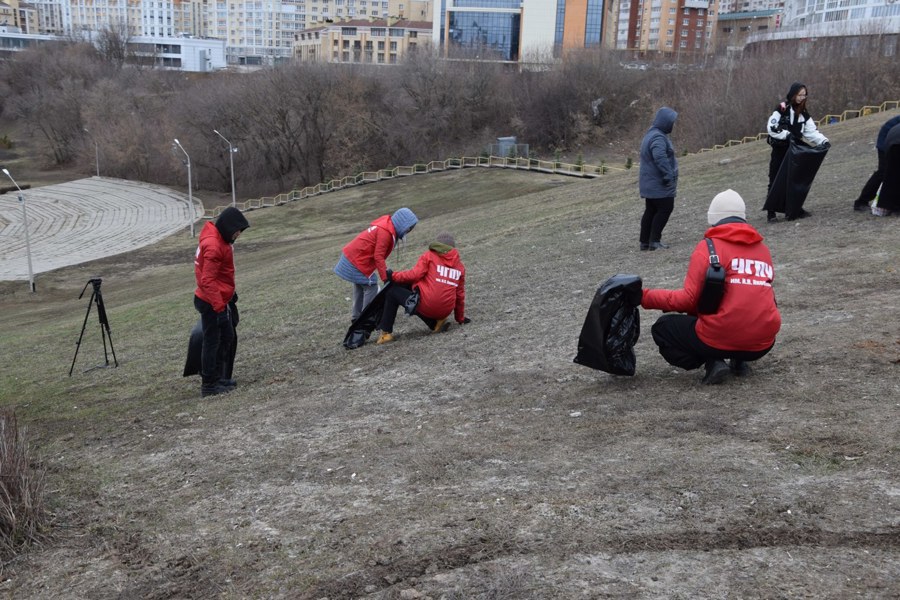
481	463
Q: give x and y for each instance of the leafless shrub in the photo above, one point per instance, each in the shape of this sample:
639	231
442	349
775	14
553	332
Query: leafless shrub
22	514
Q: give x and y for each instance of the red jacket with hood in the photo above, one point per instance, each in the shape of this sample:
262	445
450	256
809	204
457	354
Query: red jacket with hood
369	250
440	277
748	317
214	261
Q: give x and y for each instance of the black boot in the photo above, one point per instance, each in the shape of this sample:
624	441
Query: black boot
739	368
716	372
212	387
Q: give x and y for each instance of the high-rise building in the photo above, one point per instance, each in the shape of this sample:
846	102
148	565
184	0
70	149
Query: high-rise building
517	30
671	27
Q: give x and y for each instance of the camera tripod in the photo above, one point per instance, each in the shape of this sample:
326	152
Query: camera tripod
96	298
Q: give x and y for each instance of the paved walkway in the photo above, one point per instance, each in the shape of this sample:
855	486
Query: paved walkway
87	219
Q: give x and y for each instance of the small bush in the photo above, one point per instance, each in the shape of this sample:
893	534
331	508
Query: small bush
628	163
22	514
6	143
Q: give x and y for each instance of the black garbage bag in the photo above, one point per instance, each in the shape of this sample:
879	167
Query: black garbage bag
367	321
795	177
195	347
612	327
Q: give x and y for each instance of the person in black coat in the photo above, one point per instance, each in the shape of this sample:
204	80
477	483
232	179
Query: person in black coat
871	187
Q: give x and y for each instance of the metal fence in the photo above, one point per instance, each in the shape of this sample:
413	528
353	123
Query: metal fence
524	164
826	120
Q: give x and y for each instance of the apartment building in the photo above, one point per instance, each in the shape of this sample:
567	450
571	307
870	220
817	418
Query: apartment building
519	31
670	27
321	12
379	42
20	17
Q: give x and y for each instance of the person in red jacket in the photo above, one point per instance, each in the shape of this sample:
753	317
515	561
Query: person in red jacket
367	254
214	271
744	326
439	278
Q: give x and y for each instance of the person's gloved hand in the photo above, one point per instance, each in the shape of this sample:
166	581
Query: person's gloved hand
465	321
389	275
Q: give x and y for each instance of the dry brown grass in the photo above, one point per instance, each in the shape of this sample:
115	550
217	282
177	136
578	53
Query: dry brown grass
22	511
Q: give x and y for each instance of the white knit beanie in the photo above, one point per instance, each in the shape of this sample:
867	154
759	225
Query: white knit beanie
726	204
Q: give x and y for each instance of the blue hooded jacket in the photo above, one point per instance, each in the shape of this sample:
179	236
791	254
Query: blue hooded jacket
659	168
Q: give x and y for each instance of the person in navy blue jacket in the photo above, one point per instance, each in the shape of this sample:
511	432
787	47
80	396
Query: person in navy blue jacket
658	178
871	188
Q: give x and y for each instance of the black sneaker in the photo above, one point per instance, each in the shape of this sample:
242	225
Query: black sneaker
229	383
658	246
860	206
716	372
771	218
803	214
644	246
739	368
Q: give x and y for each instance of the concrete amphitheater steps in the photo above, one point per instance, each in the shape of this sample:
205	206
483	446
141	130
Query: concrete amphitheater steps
87	219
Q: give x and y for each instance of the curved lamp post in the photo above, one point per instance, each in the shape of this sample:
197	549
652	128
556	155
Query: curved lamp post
231	151
190	193
25	223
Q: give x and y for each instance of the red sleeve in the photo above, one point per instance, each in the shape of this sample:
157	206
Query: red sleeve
384	244
209	277
683	300
459	313
417	273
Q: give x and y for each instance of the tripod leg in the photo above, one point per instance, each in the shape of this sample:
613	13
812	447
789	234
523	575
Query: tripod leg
105	331
113	350
83	325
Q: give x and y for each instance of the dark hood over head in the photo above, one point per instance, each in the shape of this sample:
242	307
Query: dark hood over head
665	119
230	222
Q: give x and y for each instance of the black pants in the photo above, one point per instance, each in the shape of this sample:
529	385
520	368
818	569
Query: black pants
778	154
656	215
871	188
679	345
396	297
218	335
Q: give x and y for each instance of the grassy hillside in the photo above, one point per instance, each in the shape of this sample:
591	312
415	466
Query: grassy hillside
482	462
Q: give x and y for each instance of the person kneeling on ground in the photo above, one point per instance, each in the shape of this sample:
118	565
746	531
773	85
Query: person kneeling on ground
439	280
744	326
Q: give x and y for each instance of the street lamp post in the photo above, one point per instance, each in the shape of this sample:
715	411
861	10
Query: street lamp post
190	193
25	224
231	151
96	150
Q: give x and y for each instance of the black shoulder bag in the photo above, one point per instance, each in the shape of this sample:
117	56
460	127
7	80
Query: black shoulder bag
714	287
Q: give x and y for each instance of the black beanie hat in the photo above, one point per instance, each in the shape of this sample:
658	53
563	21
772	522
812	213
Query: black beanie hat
795	89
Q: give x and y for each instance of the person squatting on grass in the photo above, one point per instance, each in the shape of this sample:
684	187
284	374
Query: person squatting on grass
439	278
790	120
658	178
214	271
871	187
747	320
367	253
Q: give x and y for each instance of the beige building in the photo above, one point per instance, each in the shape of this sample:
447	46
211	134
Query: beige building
362	41
733	29
321	12
18	15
